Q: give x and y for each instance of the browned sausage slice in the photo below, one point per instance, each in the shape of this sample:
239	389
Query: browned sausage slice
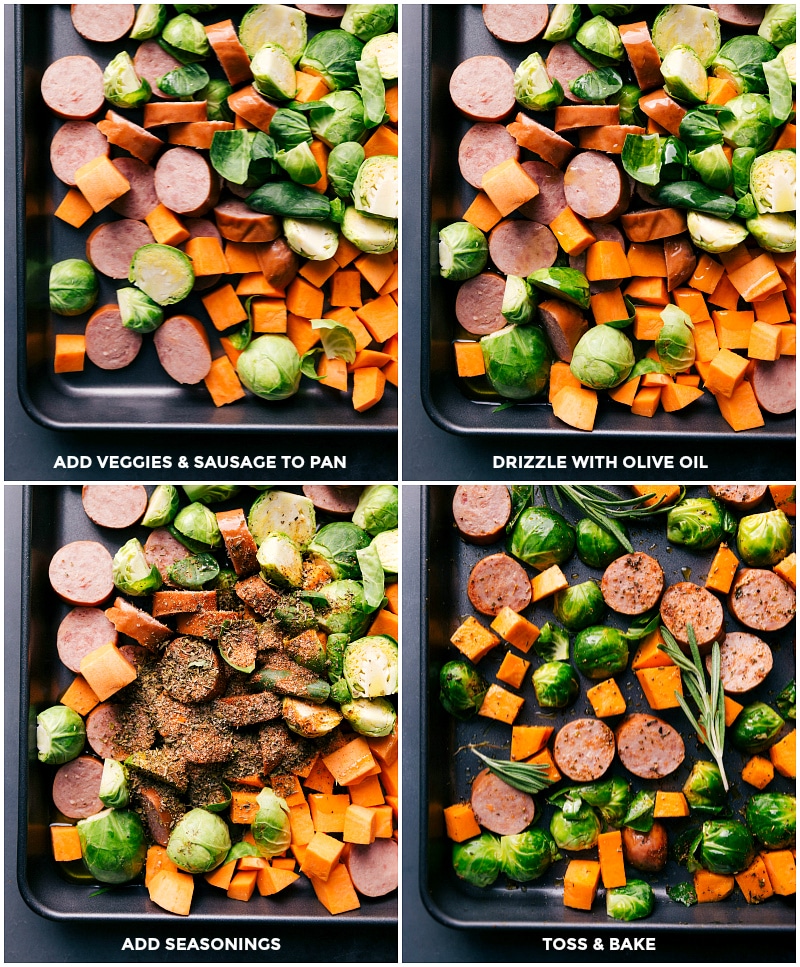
111	246
114	732
340	501
102	22
584	749
648	746
192	671
497	582
83	630
151	61
564	325
125	134
185	183
762	600
642	54
565	64
681	260
482	147
239	541
775	384
373	868
499	807
183	349
114	505
654	223
109	344
255	109
206	624
73	145
686	603
141	198
139	625
739	14
516	23
745	661
479	302
183	602
76	788
481	511
633	583
520	247
741	496
550	147
230	53
159	812
72	87
595	187
238	222
550	201
571	117
646	851
482	87
80	573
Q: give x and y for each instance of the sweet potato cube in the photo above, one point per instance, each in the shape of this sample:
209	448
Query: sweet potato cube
301	824
70	356
712	887
74	209
79	696
337	893
764	341
385	623
243	885
66	843
758	772
740	410
368	792
500	704
273	879
482	213
512	670
269	315
223	383
612	865
172	891
545	757
782	872
107	670
527	740
787	569
221	877
754	882
722	570
473	640
648	654
606	699
469	358
321	856
670	804
224	307
547	583
359	825
660	685
508	186
725	373
100	182
328	811
460	822
580	884
384	827
784	755
516	630
732	709
350	763
156	861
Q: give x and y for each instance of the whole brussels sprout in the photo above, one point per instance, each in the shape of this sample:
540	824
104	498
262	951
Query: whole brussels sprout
463	251
675	342
377	509
199	841
630	902
162	506
764	539
704	789
199	523
579	606
478	860
270	367
726	846
772	818
603	358
271	829
611	798
342	118
349	611
747	122
600	652
556	684
517	361
374	717
461	689
542	537
113	845
343	164
60	735
779	25
337	544
596	546
371	666
699	523
73	287
684	75
526	856
576	831
755	728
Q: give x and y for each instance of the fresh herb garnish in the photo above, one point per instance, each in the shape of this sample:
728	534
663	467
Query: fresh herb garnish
530	777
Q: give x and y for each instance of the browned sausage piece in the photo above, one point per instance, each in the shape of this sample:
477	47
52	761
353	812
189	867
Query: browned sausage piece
499	807
183	602
206	624
745	661
478	304
482	87
208	743
239	541
136	624
76	787
238	222
775	384
109	344
520	247
114	505
646	851
72	87
102	22
497	582
340	501
741	496
762	600
185	182
565	64
80	573
633	583
114	731
257	594
230	53
564	325
550	201
151	61
642	54
191	671
255	109
481	511
609	138
482	147
739	14
136	654
125	134
568	118
330	11
373	868
164	550
111	246
73	145
141	198
159	816
516	23
654	223
648	746
278	263
550	147
595	187
584	749
681	260
83	630
183	349
239	711
686	603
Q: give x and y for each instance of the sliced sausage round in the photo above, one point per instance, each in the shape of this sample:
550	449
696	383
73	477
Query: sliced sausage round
141	199
516	23
479	302
114	505
191	670
564	324
72	87
137	655
102	22
482	147
185	183
775	384
109	344
73	145
594	187
329	11
76	788
745	661
238	222
373	868
341	501
739	496
151	61
519	247
550	201
111	246
83	630
157	813
739	14
584	749
762	600
481	512
646	851
685	604
114	731
633	583
497	582
648	746
564	64
183	349
482	87
163	550
80	573
499	807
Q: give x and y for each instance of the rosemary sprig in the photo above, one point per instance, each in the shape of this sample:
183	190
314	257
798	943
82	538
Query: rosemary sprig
710	724
530	777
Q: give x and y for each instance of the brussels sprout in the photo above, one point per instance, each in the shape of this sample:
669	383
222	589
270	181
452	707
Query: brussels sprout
337	544
726	846
700	127
779	25
309	719
779	88
684	75
741	163
138	311
183	82
114	785
699	523
527	856
281	560
603	358
577	831
681	23
597	86
746	122
194	571
675	342
596	546
764	539
372	91
271	830
704	789
332	55
786	701
344	162
301	166
755	728
274	23
186	38
579	606
210	493
478	860
775	233
199	523
162	506
294	680
641	157
371	666
463	251
216	94
612	9
131	571
122	85
200	841
517	361
712	165
372	577
564	20
533	87
113	845
240	156
162	272
311	238
289	128
270	367
746	209
385	49
628	99
387	545
542	537
789	57
611	797
740	61
601	38
374	717
338	118
568	284
772	182
74	287
633	901
349	612
273	73
60	735
149	22
640	812
368	20
277	511
376	236
375	190
772	818
556	684
600	652
518	301
553	643
377	509
461	689
713	234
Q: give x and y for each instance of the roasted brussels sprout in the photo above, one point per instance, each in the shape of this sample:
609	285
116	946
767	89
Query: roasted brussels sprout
726	846
704	789
131	571
371	666
579	606
373	717
596	546
463	251
630	902
772	818
556	684
73	287
199	841
764	539
270	367
603	358
576	831
113	845
517	361
60	735
786	701
281	560
270	826
755	728
461	689
526	856
699	523
600	652
478	860
542	537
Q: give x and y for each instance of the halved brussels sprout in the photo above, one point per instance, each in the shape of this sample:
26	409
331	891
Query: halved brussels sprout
478	860
772	182
764	539
216	94
565	18
576	831
281	560
332	55
113	845
199	524
60	735
162	506
149	22
376	236
131	571
368	20
704	789
779	25
461	689
789	58
311	238
579	606
611	798
681	23
555	684
138	310
371	666
684	75
122	85
463	251
600	652
387	546
601	38
377	509
630	902
519	301
746	122
517	361
183	82
712	234
553	643
74	287
542	537
603	358
162	272
596	546
309	719
300	164
699	523
563	283
712	165
527	856
386	51
374	717
114	785
533	87
775	233
337	544
273	73
274	23
740	61
755	728
375	190
270	826
726	846
772	818
281	512
270	367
